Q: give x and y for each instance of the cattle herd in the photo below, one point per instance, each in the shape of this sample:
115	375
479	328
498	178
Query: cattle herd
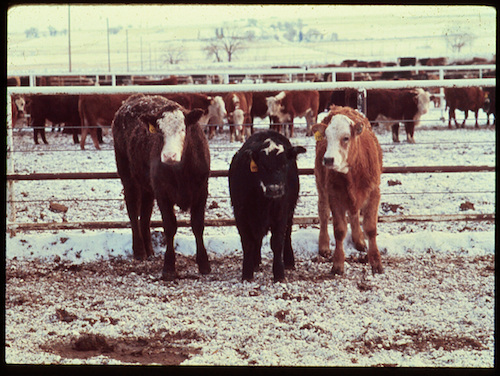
162	153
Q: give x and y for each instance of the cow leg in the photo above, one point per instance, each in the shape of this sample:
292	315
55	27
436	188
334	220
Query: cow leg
370	218
277	245
288	258
466	115
451	115
339	231
357	234
324	214
93	135
231	133
395	132
198	226
147	203
250	245
85	131
476	113
133	202
211	132
74	131
410	130
170	229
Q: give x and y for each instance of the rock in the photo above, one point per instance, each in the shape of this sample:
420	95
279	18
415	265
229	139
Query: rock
57	208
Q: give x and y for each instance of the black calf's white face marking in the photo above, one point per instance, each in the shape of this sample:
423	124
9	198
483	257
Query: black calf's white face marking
338	135
272	165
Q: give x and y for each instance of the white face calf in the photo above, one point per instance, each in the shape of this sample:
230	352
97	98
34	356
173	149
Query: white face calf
217	108
274	107
20	104
338	135
173	129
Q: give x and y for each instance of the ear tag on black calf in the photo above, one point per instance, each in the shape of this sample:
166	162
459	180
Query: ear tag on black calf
253	166
318	136
152	128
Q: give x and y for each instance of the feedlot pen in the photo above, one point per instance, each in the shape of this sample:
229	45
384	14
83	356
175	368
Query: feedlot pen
463	191
433	306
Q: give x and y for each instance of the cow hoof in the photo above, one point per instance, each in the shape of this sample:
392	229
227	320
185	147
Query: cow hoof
290	267
169	276
337	270
140	256
377	269
279	279
204	269
325	253
361	247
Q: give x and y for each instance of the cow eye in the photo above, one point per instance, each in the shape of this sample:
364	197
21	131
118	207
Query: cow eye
345	139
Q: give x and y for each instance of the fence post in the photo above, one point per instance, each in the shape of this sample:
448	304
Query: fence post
361	103
10	161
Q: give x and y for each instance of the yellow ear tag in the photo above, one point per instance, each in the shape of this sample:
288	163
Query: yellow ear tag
152	128
253	166
318	136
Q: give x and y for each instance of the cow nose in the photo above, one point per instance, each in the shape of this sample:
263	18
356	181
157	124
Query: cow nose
274	190
328	161
169	158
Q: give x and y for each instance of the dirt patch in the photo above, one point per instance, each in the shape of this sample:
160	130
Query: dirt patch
161	349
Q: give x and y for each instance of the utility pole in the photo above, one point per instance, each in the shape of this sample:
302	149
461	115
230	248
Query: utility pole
126	35
69	36
109	58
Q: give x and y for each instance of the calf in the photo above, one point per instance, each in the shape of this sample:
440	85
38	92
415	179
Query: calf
347	169
161	152
259	108
288	105
264	188
238	107
97	109
464	99
395	105
55	108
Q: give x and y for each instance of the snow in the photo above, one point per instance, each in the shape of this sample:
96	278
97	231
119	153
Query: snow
433	282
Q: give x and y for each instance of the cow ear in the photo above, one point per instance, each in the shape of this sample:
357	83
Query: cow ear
294	151
358	127
150	120
319	131
193	116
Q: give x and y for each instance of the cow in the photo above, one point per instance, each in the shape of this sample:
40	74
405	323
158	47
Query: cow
238	108
138	80
288	105
490	104
55	108
264	188
18	106
394	105
259	108
97	109
347	169
464	99
162	153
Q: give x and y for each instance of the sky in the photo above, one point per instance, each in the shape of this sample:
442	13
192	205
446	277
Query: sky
22	17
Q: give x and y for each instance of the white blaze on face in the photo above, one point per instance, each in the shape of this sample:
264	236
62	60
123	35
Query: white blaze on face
338	136
424	98
20	103
174	133
273	146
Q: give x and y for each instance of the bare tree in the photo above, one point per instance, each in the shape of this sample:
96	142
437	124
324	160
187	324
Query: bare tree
173	54
227	40
457	38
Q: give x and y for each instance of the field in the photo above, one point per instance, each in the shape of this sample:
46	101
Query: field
77	297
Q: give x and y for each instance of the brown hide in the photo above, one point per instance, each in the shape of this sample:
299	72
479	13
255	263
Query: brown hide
97	109
355	193
464	99
299	104
244	103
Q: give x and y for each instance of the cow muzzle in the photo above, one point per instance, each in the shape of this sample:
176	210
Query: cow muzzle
328	162
273	190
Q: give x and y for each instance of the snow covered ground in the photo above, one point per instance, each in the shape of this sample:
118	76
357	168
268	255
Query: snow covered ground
434	306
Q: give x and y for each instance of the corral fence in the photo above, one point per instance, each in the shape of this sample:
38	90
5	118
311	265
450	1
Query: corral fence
245	87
